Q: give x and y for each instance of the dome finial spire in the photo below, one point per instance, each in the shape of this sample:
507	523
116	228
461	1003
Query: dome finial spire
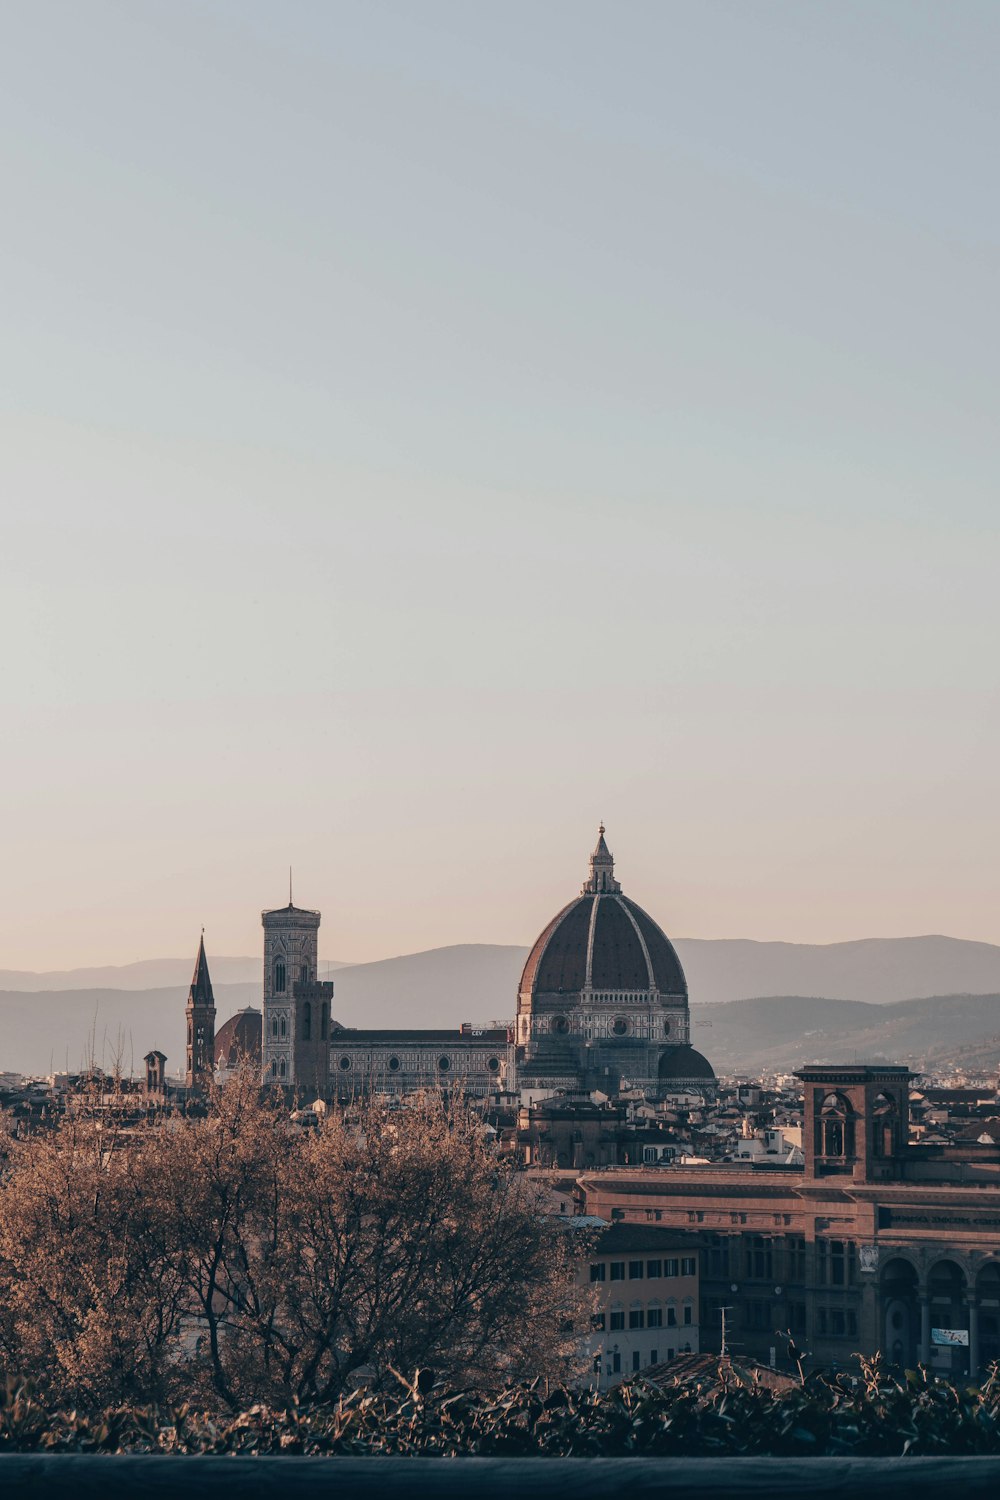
602	870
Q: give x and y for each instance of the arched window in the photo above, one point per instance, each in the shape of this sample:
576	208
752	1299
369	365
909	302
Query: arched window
307	1022
274	1026
304	973
324	1020
281	1067
835	1128
284	1027
279	977
274	1067
885	1135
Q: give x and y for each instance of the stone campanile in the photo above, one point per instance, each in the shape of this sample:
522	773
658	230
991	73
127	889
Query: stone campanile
296	1023
200	1012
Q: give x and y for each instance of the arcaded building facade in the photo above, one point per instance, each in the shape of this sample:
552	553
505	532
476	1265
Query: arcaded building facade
872	1245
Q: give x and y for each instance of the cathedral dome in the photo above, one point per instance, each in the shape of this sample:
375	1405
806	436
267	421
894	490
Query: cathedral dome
238	1039
684	1065
602	941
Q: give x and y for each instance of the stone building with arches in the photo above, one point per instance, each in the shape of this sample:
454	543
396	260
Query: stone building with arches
602	1004
874	1244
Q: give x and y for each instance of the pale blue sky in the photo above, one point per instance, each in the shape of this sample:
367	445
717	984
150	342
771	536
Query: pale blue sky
429	428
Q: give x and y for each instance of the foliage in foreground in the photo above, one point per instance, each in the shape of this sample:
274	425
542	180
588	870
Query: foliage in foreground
878	1416
236	1259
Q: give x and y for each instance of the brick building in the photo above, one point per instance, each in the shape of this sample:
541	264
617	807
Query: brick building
872	1244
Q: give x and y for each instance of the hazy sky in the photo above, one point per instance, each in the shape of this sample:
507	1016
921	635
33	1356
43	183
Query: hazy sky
429	428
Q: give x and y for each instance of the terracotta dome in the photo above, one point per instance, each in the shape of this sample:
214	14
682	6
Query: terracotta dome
602	941
239	1038
603	997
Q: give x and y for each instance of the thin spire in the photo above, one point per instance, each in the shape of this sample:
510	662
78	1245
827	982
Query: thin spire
290	901
201	981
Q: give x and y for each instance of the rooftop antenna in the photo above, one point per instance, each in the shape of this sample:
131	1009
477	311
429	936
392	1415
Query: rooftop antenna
723	1352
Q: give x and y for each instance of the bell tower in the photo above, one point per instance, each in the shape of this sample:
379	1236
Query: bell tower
200	1012
856	1120
297	1004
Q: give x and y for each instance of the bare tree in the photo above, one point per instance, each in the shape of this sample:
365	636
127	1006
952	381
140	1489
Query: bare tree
238	1258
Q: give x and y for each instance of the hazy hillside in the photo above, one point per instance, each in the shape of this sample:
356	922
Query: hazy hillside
878	970
58	1028
43	1020
148	974
785	1031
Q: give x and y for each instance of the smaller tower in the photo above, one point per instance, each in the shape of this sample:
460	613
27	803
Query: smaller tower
200	1024
156	1073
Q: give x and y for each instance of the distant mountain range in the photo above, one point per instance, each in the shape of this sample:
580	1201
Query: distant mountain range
949	987
783	1032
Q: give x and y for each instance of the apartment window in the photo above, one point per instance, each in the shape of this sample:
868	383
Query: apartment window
657	1214
837	1322
671	1317
597	1322
688	1314
634	1270
654	1317
759	1314
797	1317
796	1258
617	1213
718	1255
654	1357
688	1265
617	1318
616	1363
835	1262
654	1269
759	1258
636	1357
617	1270
671	1267
597	1272
636	1318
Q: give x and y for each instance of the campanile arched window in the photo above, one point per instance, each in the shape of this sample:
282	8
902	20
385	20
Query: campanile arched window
279	977
835	1128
